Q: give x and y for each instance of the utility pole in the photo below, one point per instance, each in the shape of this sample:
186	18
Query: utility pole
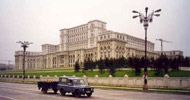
24	45
146	20
161	40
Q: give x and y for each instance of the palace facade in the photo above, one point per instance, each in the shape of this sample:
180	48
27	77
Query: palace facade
91	40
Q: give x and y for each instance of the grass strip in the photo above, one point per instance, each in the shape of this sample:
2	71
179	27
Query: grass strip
169	91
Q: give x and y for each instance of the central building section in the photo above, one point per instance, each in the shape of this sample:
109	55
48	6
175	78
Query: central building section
80	42
81	37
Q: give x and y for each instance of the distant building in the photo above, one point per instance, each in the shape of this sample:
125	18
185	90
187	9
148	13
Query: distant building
171	54
32	60
6	66
91	40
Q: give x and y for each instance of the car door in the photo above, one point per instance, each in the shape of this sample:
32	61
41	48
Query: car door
62	83
68	86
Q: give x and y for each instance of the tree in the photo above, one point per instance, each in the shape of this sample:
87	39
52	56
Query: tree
101	65
117	63
77	67
120	62
134	63
152	61
85	66
112	67
126	63
89	64
158	66
92	64
166	63
162	65
175	63
180	61
106	63
131	62
142	62
187	62
137	66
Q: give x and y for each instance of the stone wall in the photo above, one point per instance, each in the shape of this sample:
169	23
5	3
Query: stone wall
153	82
184	68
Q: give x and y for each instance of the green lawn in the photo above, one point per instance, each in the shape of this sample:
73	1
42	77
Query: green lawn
120	73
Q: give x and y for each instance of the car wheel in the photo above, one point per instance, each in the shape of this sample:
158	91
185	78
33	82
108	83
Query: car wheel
73	94
62	92
55	91
89	94
44	90
77	93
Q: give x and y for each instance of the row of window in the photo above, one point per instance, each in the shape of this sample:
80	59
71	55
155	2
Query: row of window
30	65
77	35
28	53
104	37
104	48
122	37
74	47
72	61
119	36
78	29
76	39
105	56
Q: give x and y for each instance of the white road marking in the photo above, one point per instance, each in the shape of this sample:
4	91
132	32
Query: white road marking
8	97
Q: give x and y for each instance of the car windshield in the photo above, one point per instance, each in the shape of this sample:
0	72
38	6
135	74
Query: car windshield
78	82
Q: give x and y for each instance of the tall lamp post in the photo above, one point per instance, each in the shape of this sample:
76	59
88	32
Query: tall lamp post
24	45
146	20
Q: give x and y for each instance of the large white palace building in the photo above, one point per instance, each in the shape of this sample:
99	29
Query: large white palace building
91	40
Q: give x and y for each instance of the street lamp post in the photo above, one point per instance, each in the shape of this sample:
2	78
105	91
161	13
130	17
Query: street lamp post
24	45
146	20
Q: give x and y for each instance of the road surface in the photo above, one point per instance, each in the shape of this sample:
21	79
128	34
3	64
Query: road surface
15	91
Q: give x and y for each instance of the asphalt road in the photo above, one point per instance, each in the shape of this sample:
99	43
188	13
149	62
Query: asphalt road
14	91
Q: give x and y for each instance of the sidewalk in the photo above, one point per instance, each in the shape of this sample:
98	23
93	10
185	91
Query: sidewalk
150	89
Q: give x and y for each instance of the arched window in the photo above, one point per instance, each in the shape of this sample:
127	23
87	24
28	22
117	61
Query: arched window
108	47
101	37
101	48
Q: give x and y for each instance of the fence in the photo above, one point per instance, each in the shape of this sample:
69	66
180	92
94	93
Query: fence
153	82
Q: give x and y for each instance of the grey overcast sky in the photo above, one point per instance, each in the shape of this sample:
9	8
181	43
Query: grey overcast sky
39	21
